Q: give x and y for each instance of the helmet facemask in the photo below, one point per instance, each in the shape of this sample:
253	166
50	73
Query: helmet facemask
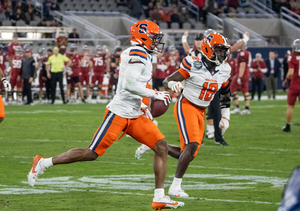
156	44
221	54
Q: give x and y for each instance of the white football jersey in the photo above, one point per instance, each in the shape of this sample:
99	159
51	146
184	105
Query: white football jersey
124	103
201	84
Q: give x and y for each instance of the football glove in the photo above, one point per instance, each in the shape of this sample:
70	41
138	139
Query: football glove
146	111
239	81
175	86
164	96
224	123
6	84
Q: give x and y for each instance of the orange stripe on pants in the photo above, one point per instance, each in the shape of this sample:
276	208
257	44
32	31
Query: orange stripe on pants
190	122
2	113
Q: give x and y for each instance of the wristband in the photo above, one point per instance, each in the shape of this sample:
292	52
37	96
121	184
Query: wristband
184	39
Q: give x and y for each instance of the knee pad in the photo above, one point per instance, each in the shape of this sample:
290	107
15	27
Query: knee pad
247	97
235	96
19	93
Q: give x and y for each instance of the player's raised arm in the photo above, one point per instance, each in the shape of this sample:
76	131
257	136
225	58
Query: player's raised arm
241	43
185	44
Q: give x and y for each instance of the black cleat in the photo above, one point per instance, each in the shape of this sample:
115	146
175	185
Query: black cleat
83	101
222	142
286	129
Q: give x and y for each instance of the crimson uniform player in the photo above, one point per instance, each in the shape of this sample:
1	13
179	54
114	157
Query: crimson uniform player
232	62
241	79
73	74
159	73
258	69
99	68
85	69
3	58
173	61
293	76
13	45
42	79
15	79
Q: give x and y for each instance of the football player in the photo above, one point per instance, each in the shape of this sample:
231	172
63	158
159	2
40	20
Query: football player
241	79
7	87
100	67
124	113
293	76
42	79
85	69
15	78
73	74
258	69
3	58
13	45
172	63
159	71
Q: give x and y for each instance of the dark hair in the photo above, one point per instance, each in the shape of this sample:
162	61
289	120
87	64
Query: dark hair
49	50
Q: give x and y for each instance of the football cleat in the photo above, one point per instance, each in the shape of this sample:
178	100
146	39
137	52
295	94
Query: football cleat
178	193
222	142
245	111
141	150
286	129
36	170
235	111
210	135
166	203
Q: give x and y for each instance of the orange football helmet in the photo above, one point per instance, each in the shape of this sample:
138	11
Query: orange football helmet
146	34
215	47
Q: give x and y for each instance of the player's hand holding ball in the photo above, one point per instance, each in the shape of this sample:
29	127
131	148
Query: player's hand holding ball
163	96
175	86
224	125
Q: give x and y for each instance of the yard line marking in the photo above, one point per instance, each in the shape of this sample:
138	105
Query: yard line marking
46	111
258	148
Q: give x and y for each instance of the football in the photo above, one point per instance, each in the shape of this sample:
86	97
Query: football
158	108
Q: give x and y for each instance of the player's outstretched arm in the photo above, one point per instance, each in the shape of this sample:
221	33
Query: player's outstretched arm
185	44
174	81
240	44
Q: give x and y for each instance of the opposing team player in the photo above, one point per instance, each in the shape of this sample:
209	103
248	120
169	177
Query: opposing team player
3	58
13	45
293	76
15	78
159	71
7	87
85	69
42	79
124	114
241	79
100	67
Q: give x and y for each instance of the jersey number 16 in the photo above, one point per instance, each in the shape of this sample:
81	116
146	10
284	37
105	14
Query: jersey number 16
208	91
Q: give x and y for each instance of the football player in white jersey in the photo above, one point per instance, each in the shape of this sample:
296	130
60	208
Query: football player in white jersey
203	76
124	113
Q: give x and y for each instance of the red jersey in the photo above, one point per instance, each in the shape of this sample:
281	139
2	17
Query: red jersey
244	56
258	65
173	64
160	71
232	62
99	65
16	66
85	67
294	62
75	59
12	47
2	60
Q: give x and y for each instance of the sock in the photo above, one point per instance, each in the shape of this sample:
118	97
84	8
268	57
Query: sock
159	193
237	106
47	163
247	107
210	128
176	183
90	97
40	99
288	126
10	99
98	97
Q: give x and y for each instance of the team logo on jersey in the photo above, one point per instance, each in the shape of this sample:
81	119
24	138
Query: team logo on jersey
198	64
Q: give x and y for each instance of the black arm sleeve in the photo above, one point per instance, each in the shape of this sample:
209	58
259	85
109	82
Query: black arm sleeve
32	68
225	97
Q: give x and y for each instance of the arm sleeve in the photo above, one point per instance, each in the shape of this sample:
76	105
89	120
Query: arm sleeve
225	95
130	83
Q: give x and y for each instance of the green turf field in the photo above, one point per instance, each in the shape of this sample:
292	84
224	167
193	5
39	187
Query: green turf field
249	174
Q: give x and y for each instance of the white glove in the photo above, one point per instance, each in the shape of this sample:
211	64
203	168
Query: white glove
6	84
69	70
246	37
146	111
164	96
224	125
175	86
8	69
239	81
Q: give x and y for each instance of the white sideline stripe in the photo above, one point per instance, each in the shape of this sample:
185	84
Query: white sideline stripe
258	148
278	97
46	111
103	126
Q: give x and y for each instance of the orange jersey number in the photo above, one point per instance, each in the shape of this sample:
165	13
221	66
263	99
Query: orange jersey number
207	93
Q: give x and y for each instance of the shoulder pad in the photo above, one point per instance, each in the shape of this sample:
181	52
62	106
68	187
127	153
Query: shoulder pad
138	52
